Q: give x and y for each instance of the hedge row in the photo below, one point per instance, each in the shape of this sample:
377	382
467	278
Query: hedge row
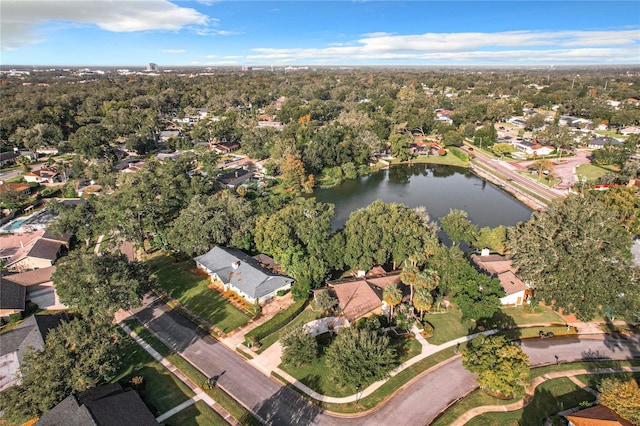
459	153
274	324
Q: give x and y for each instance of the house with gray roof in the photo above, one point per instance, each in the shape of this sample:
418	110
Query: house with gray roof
12	297
600	142
32	333
242	274
106	405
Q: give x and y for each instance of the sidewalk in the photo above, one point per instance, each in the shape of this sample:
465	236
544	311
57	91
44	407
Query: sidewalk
268	361
199	393
462	420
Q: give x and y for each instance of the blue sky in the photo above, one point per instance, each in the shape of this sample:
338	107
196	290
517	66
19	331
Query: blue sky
262	33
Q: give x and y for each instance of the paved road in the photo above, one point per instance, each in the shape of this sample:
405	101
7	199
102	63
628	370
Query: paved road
511	175
417	404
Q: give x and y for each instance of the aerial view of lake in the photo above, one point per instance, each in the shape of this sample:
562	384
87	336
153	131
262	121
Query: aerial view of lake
438	188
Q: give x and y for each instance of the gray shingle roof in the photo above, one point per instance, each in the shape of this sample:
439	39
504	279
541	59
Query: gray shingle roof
31	333
12	295
45	249
106	405
248	275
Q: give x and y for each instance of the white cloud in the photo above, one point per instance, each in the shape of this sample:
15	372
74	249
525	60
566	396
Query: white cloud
21	19
622	46
213	32
174	51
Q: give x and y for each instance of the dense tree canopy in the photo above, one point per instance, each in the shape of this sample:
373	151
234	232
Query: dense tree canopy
502	366
621	396
577	257
299	347
100	285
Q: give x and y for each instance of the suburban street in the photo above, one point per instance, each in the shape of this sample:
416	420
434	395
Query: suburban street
416	404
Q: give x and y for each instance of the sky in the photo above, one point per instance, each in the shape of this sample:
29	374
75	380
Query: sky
303	32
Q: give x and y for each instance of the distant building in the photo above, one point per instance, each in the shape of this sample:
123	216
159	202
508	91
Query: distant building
600	142
152	67
246	68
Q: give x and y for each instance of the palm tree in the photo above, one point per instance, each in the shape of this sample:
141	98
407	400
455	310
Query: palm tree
422	300
392	296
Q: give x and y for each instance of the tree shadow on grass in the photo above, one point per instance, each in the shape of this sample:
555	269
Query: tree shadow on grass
546	405
500	321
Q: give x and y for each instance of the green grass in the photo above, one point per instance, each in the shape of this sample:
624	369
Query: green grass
594	380
479	398
592	172
320	377
226	401
449	160
550	398
305	316
448	326
199	414
523	315
191	291
163	390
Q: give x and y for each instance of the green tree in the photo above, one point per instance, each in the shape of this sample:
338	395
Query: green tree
325	301
494	239
76	220
219	219
501	149
392	296
577	257
78	355
400	144
458	227
422	300
452	138
299	347
502	366
100	285
359	357
293	174
297	237
621	396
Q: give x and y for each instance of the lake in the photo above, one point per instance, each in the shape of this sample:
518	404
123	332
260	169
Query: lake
438	188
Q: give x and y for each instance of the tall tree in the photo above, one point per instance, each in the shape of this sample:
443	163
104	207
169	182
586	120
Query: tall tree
577	257
458	227
78	355
360	356
621	396
392	296
299	347
100	285
501	365
422	301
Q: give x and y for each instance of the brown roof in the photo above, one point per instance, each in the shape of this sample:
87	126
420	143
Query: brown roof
45	249
20	243
34	277
510	283
383	281
15	186
357	298
128	250
493	264
598	415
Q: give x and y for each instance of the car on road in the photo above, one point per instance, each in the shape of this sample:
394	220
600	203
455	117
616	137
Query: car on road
495	159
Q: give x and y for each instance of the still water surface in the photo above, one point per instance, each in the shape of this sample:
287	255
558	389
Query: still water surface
438	188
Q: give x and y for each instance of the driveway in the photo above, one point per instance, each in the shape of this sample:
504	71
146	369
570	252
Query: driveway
416	404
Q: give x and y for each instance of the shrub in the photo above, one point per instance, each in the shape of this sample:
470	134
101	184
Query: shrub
13	318
274	324
460	154
281	293
427	329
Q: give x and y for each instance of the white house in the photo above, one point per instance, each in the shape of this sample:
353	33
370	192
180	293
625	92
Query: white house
251	279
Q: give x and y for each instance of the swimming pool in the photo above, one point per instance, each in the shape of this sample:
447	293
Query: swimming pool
14	225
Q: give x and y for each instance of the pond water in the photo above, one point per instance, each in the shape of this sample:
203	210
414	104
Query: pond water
438	188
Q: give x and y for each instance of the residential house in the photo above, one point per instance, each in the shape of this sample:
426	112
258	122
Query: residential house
274	124
21	188
244	275
630	130
39	287
7	158
31	333
361	296
234	178
45	175
598	415
600	142
47	151
12	297
500	267
165	135
40	252
105	405
518	122
533	148
226	147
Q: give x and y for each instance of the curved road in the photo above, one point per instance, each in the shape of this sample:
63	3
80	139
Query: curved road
416	404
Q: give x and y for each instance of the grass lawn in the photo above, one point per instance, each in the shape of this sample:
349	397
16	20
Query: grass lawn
550	397
305	316
318	375
593	380
449	160
163	390
199	414
593	172
191	290
222	398
523	315
541	180
448	326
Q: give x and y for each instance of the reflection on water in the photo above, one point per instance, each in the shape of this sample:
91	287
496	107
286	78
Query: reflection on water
438	188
